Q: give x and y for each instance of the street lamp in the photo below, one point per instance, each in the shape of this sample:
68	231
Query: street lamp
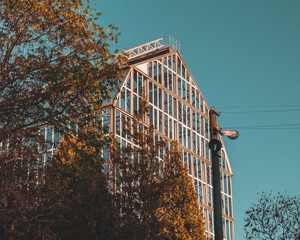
215	146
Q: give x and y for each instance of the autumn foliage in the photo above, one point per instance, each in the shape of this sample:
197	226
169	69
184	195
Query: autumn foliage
155	199
56	70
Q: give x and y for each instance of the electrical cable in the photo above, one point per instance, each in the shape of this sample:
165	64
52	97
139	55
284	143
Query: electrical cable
266	106
265	126
266	111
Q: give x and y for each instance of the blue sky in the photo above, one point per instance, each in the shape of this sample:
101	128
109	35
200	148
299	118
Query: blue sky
241	53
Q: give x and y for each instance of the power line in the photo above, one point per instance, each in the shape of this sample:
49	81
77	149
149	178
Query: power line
266	111
266	106
266	126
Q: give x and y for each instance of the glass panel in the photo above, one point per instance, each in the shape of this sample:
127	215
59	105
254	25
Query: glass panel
160	98
175	130
229	185
230	208
184	113
42	133
197	100
155	70
170	128
184	136
166	102
194	120
189	163
128	84
106	120
188	93
206	129
49	138
198	123
159	73
123	120
129	128
117	122
198	144
151	115
135	81
128	101
202	147
225	184
183	90
189	138
174	82
170	104
48	157
155	94
194	143
193	97
165	77
173	63
170	62
183	72
160	121
195	169
174	107
188	114
150	69
123	100
170	80
201	123
135	104
180	134
178	66
140	84
166	125
179	86
199	168
208	174
150	92
227	229
207	150
179	112
155	119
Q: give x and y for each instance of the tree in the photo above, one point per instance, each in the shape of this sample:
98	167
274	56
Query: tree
274	217
55	69
72	200
55	66
155	199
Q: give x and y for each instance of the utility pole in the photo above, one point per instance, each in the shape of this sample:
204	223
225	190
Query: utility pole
215	146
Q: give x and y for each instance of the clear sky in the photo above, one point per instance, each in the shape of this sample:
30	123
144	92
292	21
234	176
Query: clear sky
241	53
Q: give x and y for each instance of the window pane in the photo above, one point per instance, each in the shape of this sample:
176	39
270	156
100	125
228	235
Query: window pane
155	94
166	102
150	92
135	81
140	84
155	70
159	73
128	101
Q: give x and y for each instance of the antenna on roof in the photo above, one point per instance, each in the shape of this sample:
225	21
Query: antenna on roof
174	44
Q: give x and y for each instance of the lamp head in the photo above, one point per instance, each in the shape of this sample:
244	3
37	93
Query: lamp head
232	134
